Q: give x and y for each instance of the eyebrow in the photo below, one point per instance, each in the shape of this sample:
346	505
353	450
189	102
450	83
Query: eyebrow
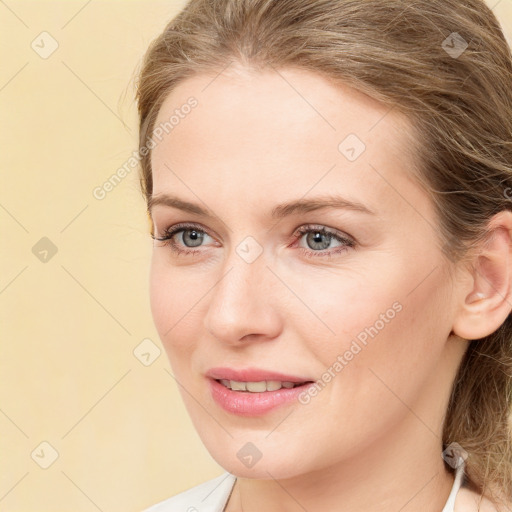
278	212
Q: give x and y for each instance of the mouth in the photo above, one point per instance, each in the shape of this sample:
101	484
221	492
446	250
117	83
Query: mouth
259	386
253	398
253	391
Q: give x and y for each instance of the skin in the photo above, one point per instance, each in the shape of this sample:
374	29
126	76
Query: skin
253	142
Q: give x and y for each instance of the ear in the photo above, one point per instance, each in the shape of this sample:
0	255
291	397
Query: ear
486	298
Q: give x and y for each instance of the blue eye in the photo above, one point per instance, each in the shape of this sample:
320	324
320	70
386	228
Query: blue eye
191	234
317	237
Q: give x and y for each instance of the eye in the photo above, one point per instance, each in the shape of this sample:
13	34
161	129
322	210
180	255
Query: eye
190	235
318	238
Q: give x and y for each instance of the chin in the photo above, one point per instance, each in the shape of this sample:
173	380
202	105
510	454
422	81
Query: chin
259	459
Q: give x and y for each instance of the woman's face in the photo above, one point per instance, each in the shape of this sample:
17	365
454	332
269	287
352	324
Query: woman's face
250	289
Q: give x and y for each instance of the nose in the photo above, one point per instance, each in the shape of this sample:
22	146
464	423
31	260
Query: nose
243	303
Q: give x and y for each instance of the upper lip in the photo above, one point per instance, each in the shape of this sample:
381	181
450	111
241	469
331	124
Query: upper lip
252	375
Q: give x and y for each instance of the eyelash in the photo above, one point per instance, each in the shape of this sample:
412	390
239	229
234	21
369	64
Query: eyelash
170	232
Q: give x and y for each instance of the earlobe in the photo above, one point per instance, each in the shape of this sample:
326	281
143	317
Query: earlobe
489	301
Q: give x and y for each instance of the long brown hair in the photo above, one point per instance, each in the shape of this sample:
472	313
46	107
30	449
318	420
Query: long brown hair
447	66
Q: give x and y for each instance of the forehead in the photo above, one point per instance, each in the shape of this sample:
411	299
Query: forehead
297	99
286	130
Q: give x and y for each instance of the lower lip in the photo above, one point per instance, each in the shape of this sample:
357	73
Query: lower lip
246	403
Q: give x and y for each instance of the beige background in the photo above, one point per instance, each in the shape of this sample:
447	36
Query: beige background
72	320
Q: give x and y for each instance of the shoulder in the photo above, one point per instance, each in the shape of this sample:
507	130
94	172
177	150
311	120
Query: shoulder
470	501
208	496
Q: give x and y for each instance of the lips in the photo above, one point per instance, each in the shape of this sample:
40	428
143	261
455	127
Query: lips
253	392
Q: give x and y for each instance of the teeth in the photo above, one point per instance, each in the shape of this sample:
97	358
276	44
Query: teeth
258	387
273	385
237	386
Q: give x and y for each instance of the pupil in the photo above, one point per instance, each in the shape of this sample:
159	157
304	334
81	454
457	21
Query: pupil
192	235
315	238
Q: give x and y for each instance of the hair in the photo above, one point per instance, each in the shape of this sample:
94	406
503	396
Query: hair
460	110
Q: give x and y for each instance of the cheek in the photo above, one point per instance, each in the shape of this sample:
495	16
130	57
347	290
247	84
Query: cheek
396	349
377	319
388	343
345	306
161	301
174	297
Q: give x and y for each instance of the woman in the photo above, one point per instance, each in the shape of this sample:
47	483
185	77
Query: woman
328	184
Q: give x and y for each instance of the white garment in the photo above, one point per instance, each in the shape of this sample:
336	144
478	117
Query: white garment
212	496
